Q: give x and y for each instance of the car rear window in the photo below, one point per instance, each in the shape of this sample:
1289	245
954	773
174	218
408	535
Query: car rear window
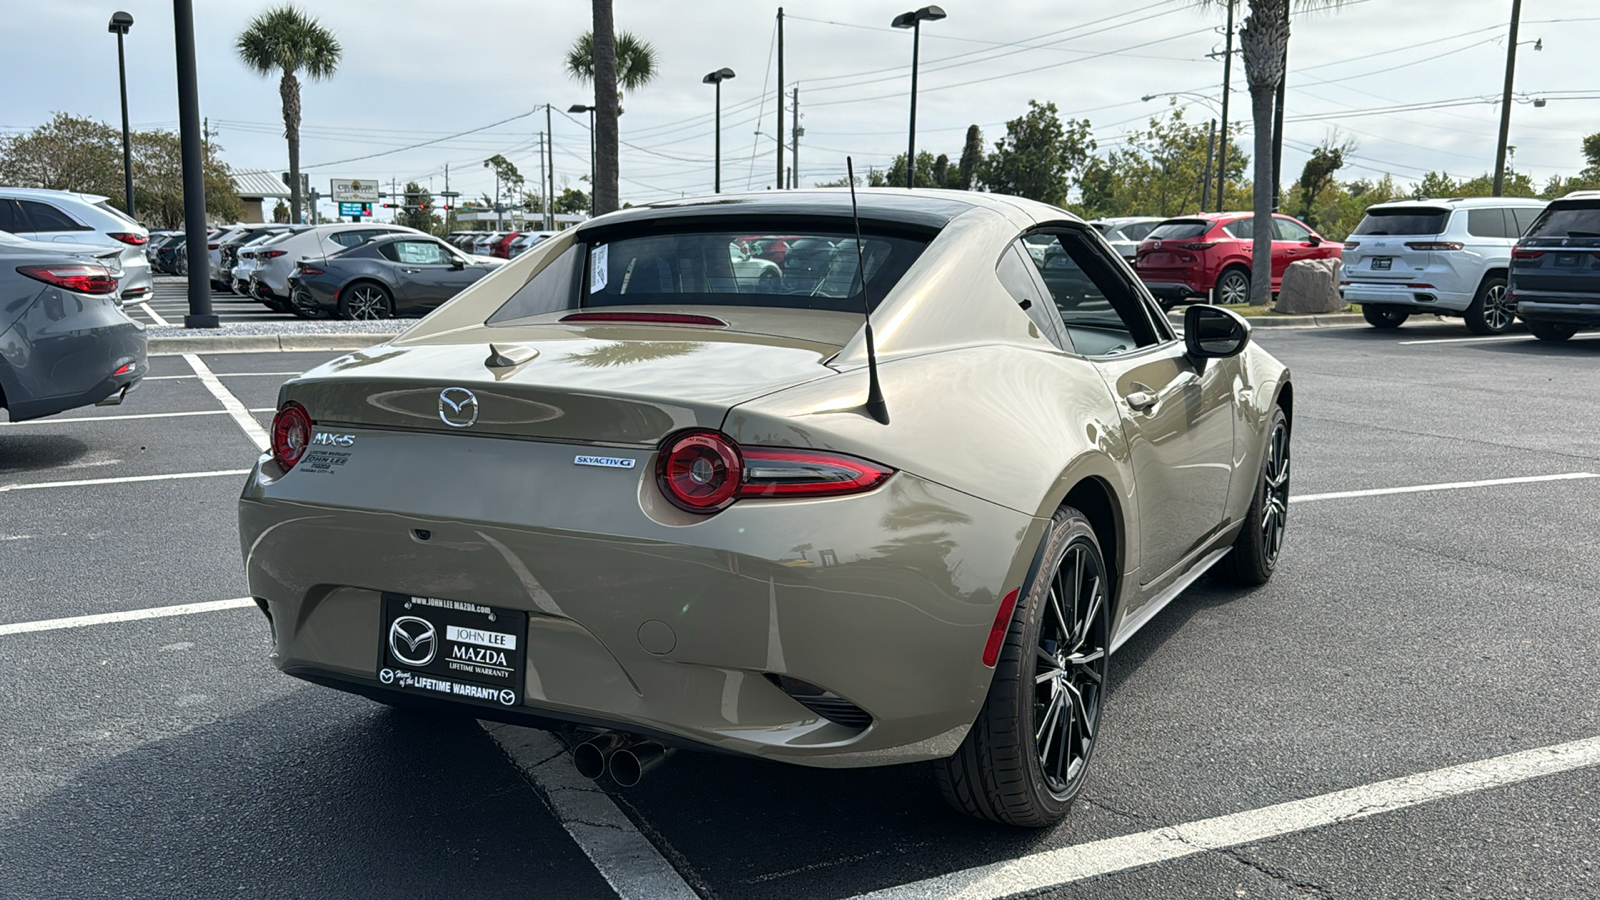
1138	231
804	269
1404	220
1177	231
1575	219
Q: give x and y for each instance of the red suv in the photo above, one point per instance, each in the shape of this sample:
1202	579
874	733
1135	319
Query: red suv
1207	256
502	247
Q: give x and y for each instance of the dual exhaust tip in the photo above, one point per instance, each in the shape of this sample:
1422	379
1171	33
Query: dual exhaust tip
624	756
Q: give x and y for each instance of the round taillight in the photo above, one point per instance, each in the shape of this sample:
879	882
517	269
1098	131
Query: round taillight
700	471
291	434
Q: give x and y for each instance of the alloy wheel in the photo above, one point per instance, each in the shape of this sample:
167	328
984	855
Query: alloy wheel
1235	288
1275	496
368	303
1070	668
1496	311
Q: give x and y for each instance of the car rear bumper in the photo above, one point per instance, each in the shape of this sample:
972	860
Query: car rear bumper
1174	291
1566	311
59	362
1401	294
640	617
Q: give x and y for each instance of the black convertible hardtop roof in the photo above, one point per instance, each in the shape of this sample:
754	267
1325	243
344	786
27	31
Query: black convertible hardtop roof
930	210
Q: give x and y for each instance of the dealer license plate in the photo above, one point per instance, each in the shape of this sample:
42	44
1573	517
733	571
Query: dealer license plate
1382	263
453	650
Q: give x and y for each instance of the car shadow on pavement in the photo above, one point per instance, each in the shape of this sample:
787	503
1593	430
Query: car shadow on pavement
32	452
309	796
1576	348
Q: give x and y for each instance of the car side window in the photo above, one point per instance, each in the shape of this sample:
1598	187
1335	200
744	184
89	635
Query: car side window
1523	218
419	253
347	239
1101	312
1017	275
45	217
1242	229
1290	230
1489	222
9	220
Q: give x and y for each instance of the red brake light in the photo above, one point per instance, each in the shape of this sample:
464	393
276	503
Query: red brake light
700	471
1351	245
645	318
306	269
129	237
705	471
212	246
1434	245
270	254
79	278
997	631
291	434
1525	253
1198	245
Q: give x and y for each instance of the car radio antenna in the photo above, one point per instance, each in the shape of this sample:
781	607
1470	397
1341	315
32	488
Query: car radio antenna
876	408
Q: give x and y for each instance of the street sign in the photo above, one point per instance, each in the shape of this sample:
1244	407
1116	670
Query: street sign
355	209
355	190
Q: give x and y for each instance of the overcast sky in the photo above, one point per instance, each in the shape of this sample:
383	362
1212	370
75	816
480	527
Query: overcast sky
422	70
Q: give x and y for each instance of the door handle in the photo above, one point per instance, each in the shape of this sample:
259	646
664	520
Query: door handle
411	271
1141	401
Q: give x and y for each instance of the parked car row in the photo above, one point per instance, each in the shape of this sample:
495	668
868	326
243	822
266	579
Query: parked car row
387	275
1458	257
500	244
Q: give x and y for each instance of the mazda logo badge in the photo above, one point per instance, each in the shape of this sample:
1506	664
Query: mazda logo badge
413	641
458	407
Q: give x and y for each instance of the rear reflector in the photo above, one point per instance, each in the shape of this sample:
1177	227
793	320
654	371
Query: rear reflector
645	318
128	237
997	631
78	278
1433	245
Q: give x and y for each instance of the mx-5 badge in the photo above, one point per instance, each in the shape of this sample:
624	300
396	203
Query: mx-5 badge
458	407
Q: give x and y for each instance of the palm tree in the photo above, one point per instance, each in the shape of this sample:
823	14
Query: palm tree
1264	38
289	41
608	61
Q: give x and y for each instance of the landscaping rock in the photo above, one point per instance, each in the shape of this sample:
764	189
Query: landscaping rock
1311	287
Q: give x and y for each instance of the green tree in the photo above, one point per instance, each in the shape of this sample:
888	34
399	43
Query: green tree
571	200
287	41
508	181
1158	171
280	213
1040	156
418	210
971	159
607	61
895	176
1326	159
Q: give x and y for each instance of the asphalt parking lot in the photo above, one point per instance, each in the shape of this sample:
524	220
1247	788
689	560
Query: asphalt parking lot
1406	632
169	303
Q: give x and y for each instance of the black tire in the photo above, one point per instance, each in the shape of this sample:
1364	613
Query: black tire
221	287
1233	286
366	300
1552	331
1259	545
1488	313
1002	771
1384	316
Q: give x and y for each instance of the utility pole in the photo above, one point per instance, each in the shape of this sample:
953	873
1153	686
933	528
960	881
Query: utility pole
542	215
780	132
1277	121
1505	101
449	214
551	156
1227	88
794	148
1205	180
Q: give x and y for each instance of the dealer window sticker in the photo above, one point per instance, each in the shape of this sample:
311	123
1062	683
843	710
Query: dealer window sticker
599	268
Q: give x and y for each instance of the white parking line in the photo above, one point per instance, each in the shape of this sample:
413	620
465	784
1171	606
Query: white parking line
1476	340
131	615
1053	868
154	316
1446	486
126	479
218	374
246	422
168	415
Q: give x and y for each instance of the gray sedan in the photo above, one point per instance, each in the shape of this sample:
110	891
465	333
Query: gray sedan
64	339
408	274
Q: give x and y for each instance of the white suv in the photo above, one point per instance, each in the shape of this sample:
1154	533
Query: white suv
64	217
1446	257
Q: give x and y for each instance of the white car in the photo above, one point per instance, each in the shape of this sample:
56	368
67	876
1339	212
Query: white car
527	240
1446	257
67	217
104	255
1124	233
246	260
275	261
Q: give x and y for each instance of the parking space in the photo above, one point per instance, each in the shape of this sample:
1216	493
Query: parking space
1406	631
169	303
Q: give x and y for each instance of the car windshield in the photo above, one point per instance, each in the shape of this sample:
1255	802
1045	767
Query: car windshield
749	267
1569	220
1403	220
1177	231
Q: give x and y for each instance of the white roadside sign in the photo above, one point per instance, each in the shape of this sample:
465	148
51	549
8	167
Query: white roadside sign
355	190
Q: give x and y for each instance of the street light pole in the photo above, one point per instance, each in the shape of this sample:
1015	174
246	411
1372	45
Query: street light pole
194	183
1505	100
120	23
913	20
717	78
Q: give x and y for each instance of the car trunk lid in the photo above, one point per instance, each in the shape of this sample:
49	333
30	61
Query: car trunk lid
1393	244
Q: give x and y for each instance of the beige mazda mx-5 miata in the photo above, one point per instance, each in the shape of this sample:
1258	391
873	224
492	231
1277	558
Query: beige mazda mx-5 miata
627	488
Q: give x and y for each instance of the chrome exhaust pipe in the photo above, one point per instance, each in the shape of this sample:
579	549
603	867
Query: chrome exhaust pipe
628	764
591	756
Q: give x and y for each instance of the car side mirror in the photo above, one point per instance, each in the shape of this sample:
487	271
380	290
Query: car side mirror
457	262
1211	332
1314	241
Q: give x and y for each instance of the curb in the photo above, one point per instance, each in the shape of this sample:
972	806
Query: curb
262	343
